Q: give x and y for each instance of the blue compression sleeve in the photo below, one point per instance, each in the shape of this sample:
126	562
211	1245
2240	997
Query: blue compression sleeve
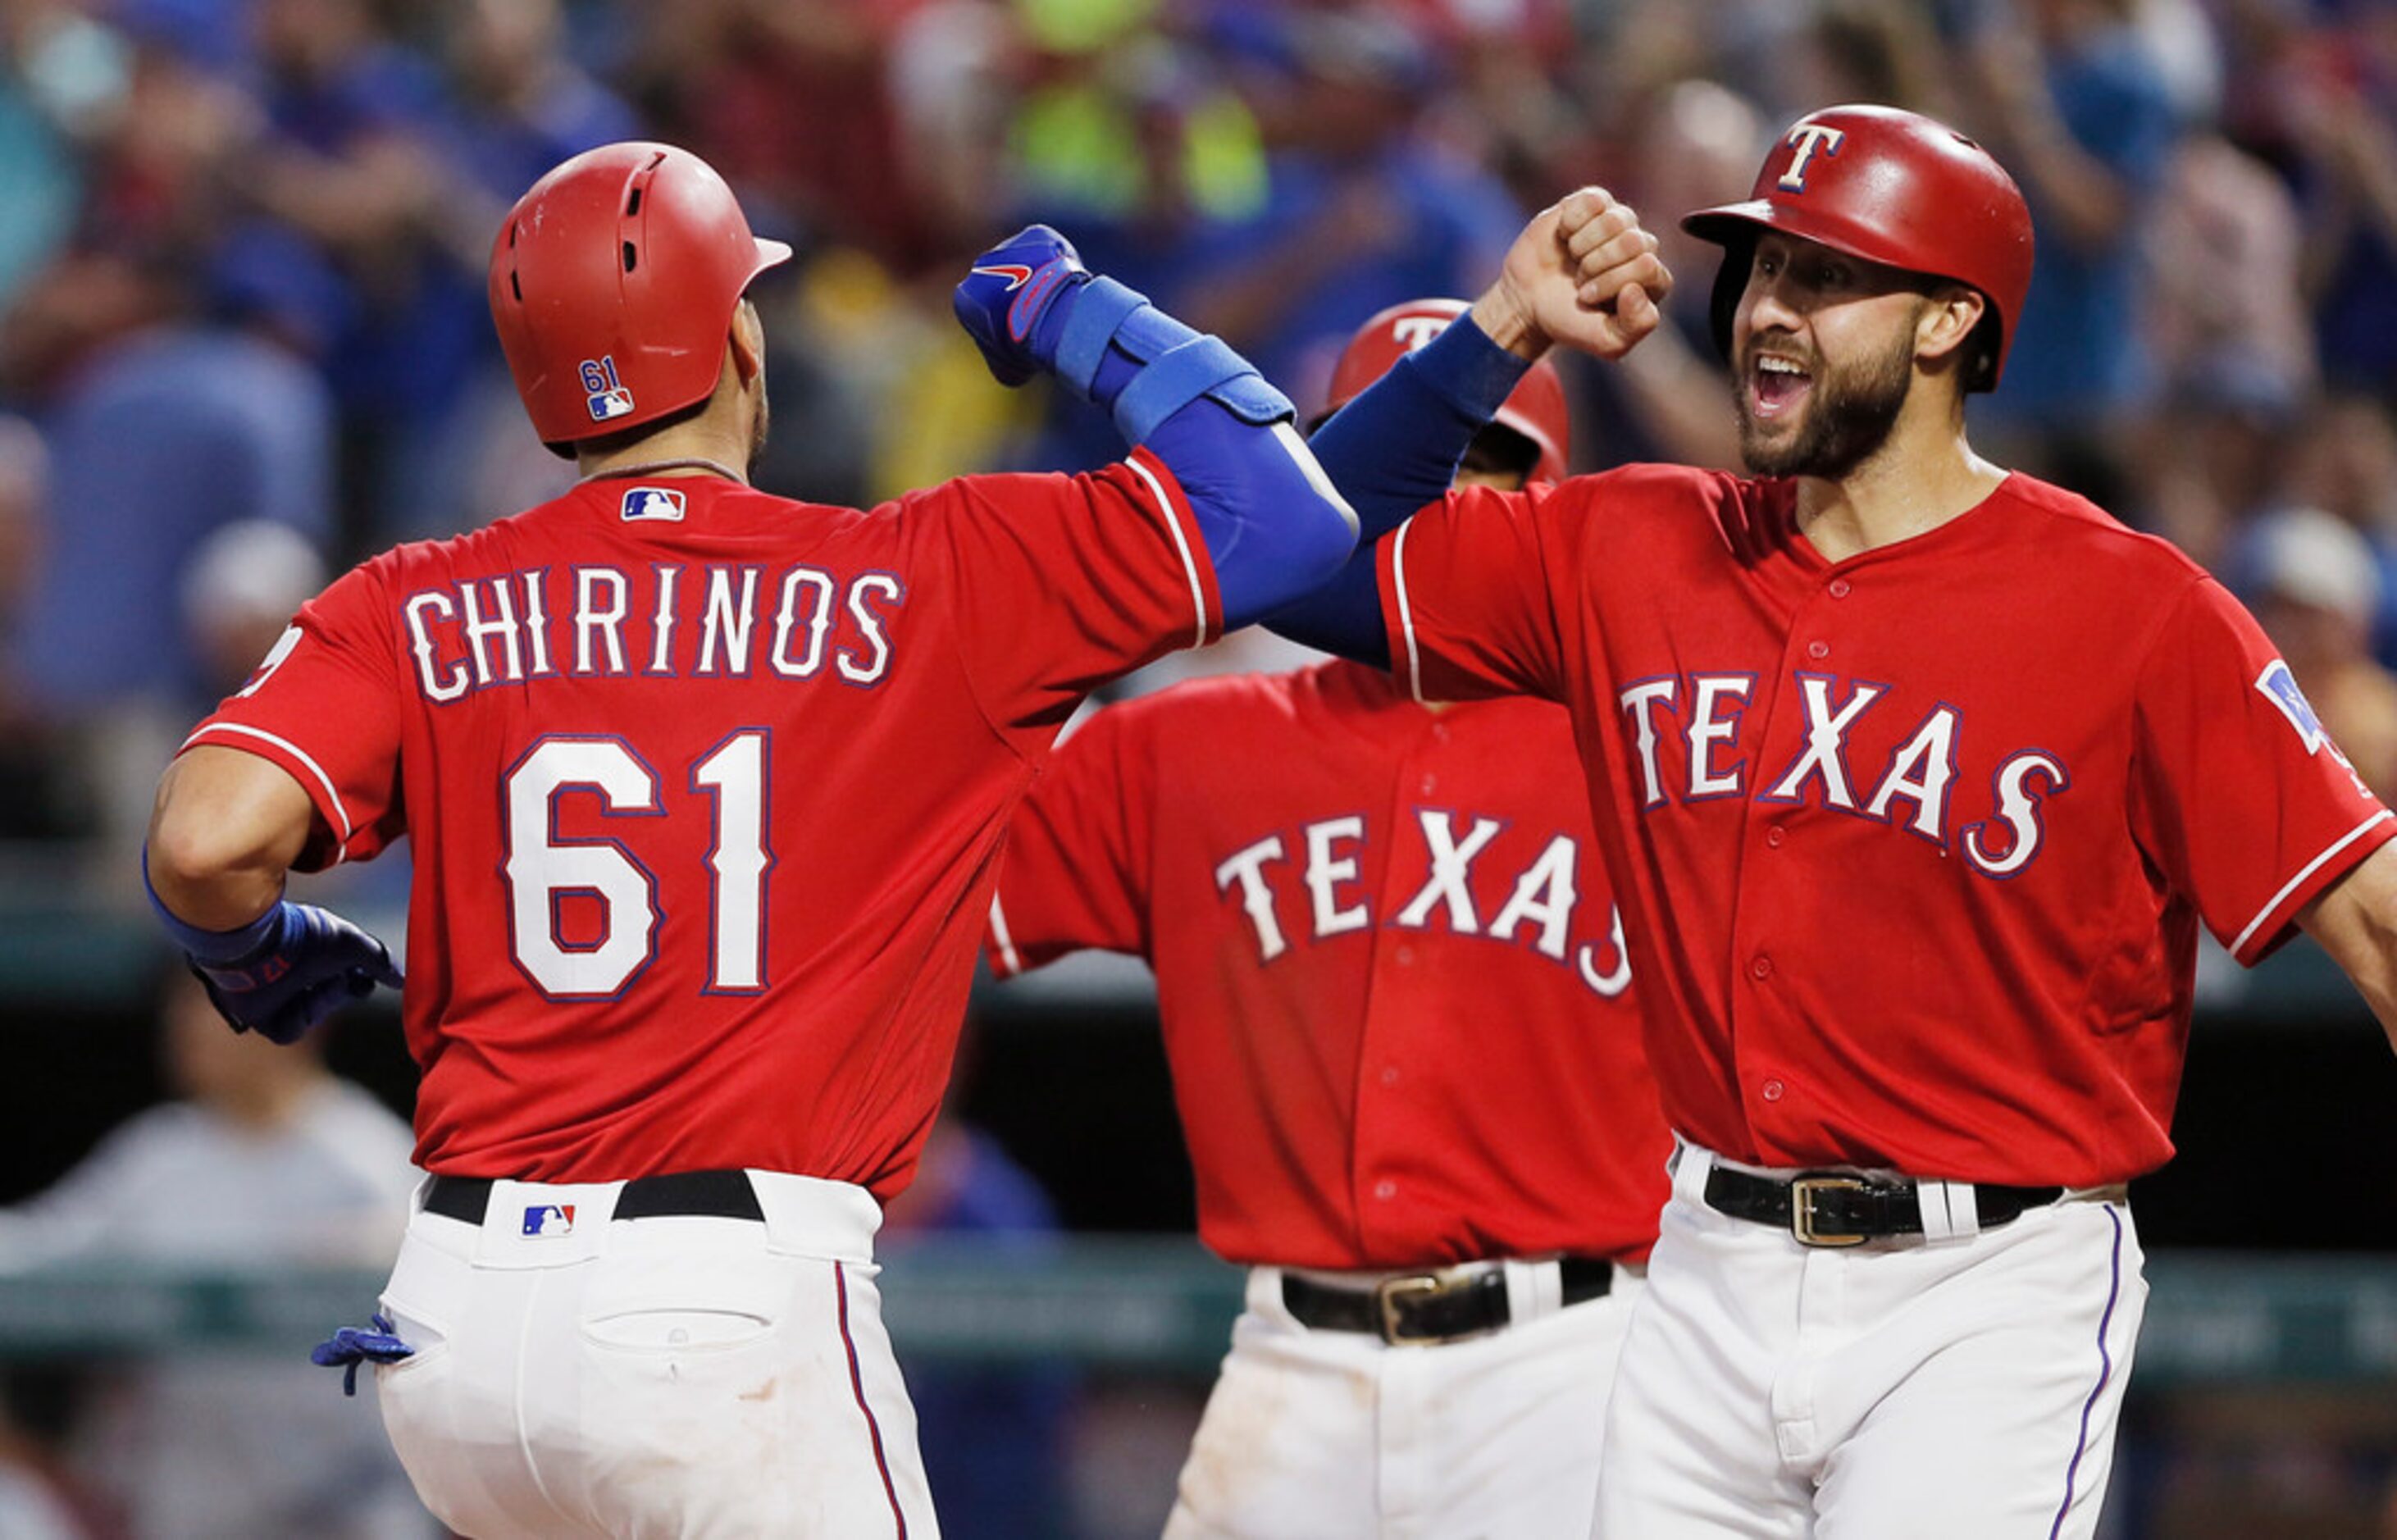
1391	451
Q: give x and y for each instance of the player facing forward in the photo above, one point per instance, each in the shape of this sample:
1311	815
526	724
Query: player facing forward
1916	779
1392	987
706	790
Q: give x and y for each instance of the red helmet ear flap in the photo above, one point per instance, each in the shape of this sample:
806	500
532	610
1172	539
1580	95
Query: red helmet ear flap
613	283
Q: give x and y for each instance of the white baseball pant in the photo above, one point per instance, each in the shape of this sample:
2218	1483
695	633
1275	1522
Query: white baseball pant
668	1376
1315	1433
1966	1387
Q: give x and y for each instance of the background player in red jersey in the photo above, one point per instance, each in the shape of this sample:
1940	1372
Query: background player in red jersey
708	789
1392	990
1916	778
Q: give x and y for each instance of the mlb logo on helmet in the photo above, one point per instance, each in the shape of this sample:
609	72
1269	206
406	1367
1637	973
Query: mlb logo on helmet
602	392
653	504
549	1219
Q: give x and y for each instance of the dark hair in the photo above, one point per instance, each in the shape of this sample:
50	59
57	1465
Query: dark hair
1498	449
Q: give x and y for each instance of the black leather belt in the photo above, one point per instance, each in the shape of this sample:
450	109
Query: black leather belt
1432	1307
726	1194
1834	1209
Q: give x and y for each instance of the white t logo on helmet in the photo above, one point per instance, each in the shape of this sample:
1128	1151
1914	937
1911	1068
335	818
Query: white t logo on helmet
1805	140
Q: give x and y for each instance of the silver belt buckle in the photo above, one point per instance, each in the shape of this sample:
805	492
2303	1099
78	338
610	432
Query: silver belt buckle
1802	1209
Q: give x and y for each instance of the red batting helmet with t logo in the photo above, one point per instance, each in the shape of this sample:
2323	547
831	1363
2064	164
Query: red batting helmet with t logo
1892	187
613	284
1535	409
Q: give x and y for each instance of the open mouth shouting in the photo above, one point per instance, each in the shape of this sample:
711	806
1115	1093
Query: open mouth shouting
1776	386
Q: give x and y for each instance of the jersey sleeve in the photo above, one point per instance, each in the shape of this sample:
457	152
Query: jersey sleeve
325	705
1466	598
2239	794
1065	582
1077	874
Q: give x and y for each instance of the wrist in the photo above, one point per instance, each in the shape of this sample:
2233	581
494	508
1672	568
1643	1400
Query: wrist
1508	325
1055	306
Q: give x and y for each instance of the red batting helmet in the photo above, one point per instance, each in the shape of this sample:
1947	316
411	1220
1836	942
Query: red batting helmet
613	284
1892	187
1535	410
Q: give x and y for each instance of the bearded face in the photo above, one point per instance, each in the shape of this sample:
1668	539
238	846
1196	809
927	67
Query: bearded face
1823	354
1802	415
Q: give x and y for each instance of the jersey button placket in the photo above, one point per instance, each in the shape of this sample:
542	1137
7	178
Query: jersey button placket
1384	1044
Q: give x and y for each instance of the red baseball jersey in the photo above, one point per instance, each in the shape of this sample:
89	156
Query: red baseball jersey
1391	981
1911	848
707	788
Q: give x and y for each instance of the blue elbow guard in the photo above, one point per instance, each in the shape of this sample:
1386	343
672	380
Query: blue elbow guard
1274	527
1176	365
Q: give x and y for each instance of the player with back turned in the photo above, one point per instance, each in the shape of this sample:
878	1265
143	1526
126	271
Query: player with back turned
706	789
1916	778
1392	993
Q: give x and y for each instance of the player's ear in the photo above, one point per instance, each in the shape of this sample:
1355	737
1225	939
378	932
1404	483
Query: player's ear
747	341
1946	322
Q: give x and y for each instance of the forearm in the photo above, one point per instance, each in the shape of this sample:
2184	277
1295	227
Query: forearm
1396	447
2355	921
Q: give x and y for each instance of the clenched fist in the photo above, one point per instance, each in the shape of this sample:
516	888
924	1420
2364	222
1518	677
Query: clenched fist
1583	273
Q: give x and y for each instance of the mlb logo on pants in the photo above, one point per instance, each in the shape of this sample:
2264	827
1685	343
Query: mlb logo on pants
546	1219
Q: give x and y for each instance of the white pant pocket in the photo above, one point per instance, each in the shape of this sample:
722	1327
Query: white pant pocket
675	1328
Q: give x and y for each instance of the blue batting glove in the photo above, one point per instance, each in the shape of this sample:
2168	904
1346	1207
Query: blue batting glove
1012	287
284	971
310	962
351	1345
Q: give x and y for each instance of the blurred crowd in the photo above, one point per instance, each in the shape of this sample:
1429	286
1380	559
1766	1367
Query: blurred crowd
242	337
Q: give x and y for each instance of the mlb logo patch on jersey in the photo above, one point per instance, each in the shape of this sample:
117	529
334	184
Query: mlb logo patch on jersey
2279	687
549	1219
654	504
602	392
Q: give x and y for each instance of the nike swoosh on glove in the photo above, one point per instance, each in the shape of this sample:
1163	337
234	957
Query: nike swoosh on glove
1002	301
